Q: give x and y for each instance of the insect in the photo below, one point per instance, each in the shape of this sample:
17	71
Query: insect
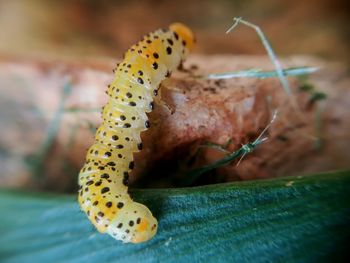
103	180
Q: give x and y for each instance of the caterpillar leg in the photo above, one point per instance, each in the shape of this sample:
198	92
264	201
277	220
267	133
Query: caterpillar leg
159	101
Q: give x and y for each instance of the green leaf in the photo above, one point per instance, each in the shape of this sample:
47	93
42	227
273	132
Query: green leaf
291	219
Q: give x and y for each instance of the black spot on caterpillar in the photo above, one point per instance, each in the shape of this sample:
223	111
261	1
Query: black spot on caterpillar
104	177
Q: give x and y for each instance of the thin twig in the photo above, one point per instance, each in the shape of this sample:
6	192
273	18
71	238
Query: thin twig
258	73
37	161
269	50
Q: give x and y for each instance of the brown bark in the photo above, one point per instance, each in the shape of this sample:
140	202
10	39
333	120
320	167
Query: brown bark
195	111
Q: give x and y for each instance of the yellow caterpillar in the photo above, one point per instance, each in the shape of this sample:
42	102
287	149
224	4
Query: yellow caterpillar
103	180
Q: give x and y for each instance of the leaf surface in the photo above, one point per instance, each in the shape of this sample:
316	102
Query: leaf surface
291	219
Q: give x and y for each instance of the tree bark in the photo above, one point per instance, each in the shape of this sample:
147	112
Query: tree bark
50	108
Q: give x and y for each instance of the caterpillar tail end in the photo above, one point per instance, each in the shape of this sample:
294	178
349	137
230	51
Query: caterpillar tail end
137	221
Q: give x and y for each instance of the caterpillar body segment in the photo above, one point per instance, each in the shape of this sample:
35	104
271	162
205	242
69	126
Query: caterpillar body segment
103	180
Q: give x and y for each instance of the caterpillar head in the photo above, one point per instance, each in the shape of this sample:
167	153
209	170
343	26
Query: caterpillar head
134	223
184	33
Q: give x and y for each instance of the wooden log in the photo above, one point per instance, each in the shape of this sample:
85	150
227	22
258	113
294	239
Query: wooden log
51	107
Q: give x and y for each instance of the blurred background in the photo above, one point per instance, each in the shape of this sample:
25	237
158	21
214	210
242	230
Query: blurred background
108	28
56	58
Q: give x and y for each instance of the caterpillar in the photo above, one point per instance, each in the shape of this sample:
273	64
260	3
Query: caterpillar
103	179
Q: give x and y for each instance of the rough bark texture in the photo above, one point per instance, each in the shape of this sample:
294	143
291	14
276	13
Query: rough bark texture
45	132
